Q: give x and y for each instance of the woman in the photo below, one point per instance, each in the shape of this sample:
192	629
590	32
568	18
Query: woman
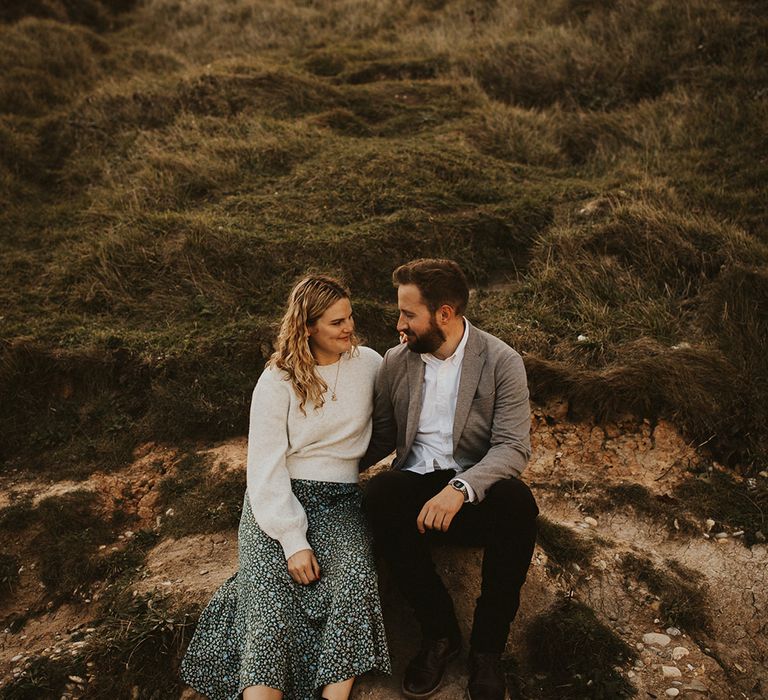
301	618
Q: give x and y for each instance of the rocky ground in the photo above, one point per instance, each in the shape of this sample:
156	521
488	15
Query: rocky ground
616	536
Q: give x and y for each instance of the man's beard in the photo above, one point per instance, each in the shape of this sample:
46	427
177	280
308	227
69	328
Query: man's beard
427	342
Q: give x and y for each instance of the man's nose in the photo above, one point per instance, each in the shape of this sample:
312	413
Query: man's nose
402	325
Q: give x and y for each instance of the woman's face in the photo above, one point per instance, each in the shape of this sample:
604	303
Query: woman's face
331	334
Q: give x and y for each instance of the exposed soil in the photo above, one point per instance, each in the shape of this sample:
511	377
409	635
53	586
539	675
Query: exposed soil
572	462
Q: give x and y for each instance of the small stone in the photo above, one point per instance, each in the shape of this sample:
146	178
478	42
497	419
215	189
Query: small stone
671	672
640	646
759	536
656	639
696	686
709	524
76	679
739	668
16	658
764	474
203	572
673	631
102	546
590	521
631	674
672	692
128	534
678	653
721	535
170	512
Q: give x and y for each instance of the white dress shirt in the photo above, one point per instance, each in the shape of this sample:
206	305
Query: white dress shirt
433	445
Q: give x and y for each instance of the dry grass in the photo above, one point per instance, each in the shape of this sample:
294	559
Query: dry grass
168	169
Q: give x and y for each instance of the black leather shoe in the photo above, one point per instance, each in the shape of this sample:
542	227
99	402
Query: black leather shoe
486	677
424	673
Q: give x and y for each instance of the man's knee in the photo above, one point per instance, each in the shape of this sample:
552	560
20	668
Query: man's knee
512	497
384	492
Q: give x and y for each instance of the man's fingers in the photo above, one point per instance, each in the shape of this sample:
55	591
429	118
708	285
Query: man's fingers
420	520
447	522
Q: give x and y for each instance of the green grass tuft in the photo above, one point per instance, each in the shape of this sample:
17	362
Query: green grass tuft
683	595
576	655
562	544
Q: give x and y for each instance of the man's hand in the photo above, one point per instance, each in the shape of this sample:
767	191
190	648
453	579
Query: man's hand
438	512
303	567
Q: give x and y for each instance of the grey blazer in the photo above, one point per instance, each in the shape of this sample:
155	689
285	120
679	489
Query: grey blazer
491	427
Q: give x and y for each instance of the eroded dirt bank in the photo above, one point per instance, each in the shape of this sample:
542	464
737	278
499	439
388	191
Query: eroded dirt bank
621	534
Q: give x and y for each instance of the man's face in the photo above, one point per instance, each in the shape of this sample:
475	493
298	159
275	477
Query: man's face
416	321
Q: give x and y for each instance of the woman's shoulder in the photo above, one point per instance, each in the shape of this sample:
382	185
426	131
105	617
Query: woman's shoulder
368	356
272	380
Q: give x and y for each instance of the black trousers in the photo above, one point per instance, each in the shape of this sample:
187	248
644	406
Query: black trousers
503	523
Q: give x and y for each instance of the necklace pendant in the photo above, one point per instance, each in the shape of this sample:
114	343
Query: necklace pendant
333	397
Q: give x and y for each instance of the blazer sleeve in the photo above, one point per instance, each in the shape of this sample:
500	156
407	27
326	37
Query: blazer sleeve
275	508
384	433
510	437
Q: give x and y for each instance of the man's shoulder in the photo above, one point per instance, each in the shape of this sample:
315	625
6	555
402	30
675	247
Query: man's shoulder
495	347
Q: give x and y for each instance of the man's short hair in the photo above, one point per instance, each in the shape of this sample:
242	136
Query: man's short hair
439	281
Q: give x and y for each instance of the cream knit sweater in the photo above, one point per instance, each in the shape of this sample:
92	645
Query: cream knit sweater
324	445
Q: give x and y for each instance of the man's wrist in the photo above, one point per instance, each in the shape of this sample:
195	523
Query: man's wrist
461	487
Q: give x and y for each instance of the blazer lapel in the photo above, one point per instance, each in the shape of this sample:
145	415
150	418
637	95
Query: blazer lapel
415	384
471	368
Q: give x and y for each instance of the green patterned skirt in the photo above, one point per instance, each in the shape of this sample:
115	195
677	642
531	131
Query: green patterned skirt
262	628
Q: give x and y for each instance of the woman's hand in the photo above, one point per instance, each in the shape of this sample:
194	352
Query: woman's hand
303	567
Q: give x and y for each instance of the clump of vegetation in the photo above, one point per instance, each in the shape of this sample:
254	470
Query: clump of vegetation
139	643
736	504
9	574
71	530
200	501
562	544
671	511
681	591
19	515
576	655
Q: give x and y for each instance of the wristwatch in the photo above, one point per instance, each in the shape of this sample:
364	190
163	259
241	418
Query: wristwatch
460	486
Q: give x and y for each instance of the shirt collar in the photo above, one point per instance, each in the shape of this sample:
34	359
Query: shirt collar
458	353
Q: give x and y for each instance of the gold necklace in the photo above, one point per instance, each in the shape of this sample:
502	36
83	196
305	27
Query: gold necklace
336	381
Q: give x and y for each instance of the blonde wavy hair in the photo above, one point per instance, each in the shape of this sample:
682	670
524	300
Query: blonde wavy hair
308	301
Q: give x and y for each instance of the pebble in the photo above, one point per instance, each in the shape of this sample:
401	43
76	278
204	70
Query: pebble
678	653
16	658
671	672
696	685
710	524
673	631
656	639
76	679
721	535
672	692
590	521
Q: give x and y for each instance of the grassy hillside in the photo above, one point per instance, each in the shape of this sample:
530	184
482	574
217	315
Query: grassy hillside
167	169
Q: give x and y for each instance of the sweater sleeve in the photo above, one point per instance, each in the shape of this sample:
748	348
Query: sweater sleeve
275	508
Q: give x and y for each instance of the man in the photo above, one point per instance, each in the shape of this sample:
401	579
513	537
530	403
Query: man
453	401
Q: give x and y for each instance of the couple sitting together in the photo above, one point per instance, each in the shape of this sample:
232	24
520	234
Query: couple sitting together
302	618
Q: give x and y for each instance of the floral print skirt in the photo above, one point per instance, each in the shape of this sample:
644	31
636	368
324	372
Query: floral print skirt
262	628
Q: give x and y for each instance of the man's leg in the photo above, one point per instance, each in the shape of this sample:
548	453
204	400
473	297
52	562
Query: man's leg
392	500
504	523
